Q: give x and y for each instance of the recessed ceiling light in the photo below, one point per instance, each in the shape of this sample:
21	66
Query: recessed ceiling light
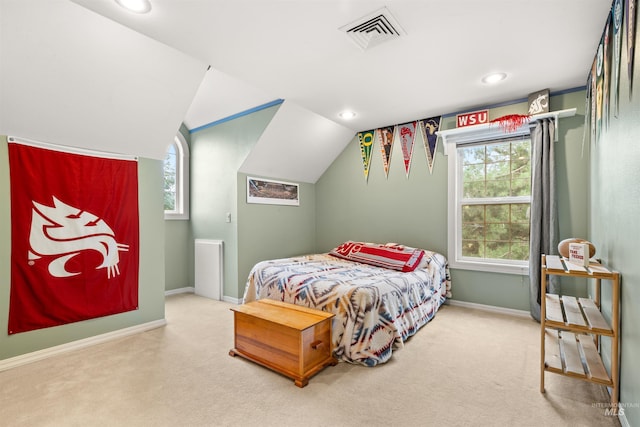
137	6
494	78
347	115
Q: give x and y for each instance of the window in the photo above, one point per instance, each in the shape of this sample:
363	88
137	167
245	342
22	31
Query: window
176	180
489	200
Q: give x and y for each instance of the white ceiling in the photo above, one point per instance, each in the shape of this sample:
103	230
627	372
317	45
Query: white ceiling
90	74
71	77
294	50
221	96
299	142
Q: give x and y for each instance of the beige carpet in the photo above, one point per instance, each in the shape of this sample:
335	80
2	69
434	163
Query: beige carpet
465	368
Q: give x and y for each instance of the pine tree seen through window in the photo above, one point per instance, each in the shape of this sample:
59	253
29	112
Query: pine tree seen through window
494	196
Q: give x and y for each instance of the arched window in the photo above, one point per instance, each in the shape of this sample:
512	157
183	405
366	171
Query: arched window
176	180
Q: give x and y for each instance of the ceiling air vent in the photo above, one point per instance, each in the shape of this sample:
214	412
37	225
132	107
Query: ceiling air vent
373	29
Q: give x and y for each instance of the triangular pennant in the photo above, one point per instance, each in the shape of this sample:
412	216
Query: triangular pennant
631	37
599	87
617	52
607	70
594	98
366	144
407	134
385	137
587	112
428	129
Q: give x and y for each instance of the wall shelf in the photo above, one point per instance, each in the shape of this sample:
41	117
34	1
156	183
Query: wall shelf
487	131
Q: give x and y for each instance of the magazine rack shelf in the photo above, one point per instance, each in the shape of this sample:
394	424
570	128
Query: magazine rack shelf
571	327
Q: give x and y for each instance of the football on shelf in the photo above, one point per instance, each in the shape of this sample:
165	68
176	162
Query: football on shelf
563	247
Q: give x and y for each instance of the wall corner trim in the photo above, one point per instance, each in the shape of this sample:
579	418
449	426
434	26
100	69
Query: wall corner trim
185	290
232	300
237	115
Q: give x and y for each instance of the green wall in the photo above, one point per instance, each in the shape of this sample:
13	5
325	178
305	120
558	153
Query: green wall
409	210
151	278
273	231
342	205
217	153
178	267
614	229
413	210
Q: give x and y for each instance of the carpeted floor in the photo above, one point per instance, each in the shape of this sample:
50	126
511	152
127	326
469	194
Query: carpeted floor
465	368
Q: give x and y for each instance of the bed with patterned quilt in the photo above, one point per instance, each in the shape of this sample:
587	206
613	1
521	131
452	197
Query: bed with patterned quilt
381	294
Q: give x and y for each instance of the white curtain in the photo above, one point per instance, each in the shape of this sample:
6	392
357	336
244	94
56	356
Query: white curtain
544	216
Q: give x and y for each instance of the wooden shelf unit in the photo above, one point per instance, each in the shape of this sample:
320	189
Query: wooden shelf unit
571	327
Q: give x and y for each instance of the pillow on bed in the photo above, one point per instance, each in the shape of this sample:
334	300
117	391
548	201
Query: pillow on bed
391	255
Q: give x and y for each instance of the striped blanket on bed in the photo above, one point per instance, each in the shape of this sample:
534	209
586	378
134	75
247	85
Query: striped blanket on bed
376	309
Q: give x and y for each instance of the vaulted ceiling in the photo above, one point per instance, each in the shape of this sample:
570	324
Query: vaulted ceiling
199	61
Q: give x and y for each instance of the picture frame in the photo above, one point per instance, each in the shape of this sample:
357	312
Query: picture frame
271	192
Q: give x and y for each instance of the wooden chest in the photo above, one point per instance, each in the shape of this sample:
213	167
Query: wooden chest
292	340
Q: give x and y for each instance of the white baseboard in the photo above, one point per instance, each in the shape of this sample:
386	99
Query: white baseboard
624	422
191	290
186	290
35	356
491	308
232	300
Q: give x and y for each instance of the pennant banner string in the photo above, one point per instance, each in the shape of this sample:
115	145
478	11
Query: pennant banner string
428	129
407	134
366	144
385	137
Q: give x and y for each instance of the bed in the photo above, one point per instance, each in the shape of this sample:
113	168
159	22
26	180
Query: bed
379	301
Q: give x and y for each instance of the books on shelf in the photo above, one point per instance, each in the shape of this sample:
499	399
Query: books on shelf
579	254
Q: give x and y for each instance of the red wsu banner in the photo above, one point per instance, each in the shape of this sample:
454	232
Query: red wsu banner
74	236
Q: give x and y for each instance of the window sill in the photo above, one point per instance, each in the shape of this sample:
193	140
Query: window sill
518	269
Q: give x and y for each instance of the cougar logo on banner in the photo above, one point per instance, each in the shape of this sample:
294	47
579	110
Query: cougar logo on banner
64	232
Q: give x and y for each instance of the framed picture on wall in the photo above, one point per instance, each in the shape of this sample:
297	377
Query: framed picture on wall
265	191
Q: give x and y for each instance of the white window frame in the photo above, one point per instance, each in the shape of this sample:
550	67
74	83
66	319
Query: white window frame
182	180
458	138
452	138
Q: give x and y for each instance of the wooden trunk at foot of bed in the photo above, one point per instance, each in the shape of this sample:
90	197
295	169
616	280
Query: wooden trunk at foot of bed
292	340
